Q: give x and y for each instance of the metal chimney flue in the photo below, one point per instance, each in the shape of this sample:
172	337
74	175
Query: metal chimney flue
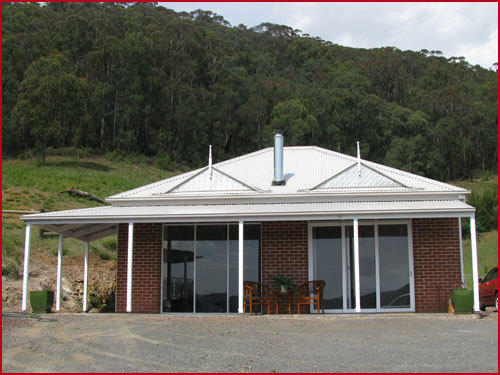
278	159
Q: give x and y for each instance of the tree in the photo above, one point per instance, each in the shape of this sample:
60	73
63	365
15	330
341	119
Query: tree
50	102
295	120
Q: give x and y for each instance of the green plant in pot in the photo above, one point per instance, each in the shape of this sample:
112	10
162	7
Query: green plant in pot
462	300
283	284
41	301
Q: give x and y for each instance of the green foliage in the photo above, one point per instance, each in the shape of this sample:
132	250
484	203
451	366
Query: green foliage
486	203
103	300
487	255
280	280
163	160
137	81
110	244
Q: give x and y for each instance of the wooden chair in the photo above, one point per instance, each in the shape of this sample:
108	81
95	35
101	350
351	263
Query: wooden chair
311	292
255	294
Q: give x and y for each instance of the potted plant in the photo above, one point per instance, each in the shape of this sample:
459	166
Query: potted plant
41	301
462	300
283	284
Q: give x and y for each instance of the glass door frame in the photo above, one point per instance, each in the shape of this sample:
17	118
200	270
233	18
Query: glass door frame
195	225
375	222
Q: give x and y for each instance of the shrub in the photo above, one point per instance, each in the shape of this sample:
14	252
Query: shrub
110	244
102	299
163	160
486	203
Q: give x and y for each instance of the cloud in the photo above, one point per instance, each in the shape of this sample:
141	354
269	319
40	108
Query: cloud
456	29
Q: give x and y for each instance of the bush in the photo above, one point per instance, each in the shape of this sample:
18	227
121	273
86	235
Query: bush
110	244
72	152
11	267
486	203
102	299
163	160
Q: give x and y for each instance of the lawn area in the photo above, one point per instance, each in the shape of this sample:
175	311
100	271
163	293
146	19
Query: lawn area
487	257
28	186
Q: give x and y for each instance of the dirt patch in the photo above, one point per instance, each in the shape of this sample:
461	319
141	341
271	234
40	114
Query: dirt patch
43	274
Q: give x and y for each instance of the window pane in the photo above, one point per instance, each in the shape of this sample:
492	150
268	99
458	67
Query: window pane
251	259
394	266
327	247
367	278
178	266
211	268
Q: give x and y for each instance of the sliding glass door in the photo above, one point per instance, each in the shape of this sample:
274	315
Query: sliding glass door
200	266
384	265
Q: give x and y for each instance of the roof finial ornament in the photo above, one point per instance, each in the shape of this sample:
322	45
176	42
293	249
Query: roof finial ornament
359	160
210	160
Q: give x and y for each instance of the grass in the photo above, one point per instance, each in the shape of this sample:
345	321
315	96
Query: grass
487	255
28	186
478	185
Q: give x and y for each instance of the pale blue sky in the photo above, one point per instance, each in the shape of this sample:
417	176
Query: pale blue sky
456	29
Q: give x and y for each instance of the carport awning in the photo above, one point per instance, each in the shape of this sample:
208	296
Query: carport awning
83	231
97	222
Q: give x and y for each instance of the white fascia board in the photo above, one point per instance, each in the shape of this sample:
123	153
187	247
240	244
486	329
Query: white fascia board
264	198
259	216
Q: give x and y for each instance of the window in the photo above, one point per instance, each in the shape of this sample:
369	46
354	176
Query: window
200	266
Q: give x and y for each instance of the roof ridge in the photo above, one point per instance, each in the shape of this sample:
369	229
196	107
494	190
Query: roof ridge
412	175
151	185
241	157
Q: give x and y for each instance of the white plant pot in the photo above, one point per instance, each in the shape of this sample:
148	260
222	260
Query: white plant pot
283	289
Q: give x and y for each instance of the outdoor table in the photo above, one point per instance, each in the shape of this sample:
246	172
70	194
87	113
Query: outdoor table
277	294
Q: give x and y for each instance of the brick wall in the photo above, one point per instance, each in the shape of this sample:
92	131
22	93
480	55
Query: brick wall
146	268
436	262
284	250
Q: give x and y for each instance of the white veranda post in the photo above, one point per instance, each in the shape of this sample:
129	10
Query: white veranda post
462	275
26	266
85	276
240	267
129	265
473	243
356	265
59	270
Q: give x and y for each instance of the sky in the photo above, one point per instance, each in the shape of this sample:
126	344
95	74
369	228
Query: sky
456	29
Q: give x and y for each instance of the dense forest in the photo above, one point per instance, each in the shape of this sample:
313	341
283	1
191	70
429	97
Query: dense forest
123	79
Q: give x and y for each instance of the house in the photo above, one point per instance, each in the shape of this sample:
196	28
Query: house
382	239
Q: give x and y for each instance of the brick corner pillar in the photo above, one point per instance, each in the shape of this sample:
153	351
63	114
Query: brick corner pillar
436	262
146	268
285	251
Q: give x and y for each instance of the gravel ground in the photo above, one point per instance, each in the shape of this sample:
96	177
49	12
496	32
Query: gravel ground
233	343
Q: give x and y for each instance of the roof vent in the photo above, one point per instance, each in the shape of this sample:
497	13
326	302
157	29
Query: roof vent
278	159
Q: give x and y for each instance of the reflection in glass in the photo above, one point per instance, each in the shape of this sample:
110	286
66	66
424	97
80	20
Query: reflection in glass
327	247
367	278
178	261
211	268
216	266
393	265
251	259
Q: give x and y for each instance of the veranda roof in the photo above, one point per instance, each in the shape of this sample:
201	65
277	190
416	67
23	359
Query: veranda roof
93	223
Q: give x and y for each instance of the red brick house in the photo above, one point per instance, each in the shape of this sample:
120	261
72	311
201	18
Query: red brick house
382	239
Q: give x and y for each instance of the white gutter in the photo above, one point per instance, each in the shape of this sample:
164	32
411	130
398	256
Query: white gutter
268	196
463	212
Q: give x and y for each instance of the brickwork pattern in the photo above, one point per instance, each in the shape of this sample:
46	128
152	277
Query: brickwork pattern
436	262
284	250
146	268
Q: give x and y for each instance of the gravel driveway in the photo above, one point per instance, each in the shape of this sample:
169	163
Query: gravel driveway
232	343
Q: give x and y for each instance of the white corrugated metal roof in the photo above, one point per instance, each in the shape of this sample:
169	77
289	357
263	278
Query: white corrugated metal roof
308	170
199	212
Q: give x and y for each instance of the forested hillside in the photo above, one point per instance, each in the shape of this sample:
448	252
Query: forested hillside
143	79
